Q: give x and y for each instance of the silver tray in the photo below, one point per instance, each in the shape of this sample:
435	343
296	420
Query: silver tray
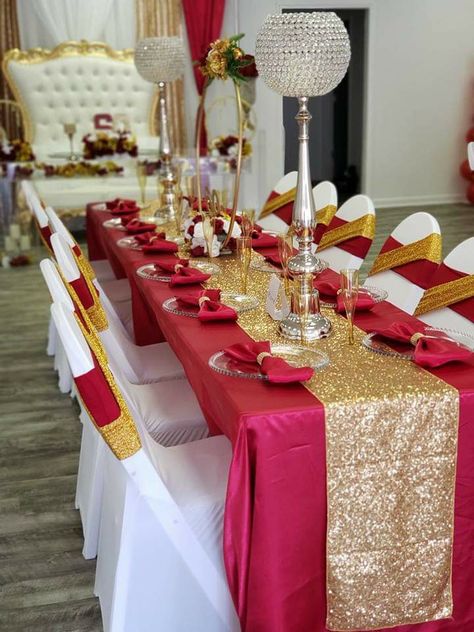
296	355
239	302
379	346
376	293
148	271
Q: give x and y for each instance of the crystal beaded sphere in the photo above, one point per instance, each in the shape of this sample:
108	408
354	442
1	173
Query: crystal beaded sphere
160	58
302	54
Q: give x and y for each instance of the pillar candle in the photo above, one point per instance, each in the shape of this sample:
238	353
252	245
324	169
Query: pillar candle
25	243
15	231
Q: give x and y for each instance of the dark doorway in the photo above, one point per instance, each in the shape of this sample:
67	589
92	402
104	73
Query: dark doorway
337	123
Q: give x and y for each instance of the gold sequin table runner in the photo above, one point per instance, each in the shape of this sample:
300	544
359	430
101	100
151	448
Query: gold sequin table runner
391	444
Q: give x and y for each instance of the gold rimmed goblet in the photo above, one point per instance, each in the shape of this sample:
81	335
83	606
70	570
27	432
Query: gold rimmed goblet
244	256
349	278
70	130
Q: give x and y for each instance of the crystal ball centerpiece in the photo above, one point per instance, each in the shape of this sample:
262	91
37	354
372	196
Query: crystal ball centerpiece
160	59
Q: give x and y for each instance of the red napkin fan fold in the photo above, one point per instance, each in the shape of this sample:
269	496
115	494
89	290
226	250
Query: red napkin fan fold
210	306
430	350
276	369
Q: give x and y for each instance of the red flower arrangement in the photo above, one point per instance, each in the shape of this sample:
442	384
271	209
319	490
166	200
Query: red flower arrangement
108	144
16	151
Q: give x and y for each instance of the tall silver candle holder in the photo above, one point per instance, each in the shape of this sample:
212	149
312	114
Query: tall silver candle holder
161	60
303	55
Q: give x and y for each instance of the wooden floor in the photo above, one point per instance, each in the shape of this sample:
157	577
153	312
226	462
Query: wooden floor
45	584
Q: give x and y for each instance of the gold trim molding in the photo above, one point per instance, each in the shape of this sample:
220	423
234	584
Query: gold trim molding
71	48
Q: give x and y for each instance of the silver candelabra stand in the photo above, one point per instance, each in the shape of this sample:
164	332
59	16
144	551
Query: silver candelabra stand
161	60
302	55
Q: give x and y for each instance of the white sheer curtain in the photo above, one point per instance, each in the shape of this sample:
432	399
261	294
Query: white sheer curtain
46	23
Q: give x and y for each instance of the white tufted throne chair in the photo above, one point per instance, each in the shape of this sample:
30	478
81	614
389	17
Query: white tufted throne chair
71	84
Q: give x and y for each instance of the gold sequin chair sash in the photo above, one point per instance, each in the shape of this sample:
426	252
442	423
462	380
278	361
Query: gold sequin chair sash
362	227
277	201
446	294
325	214
428	249
121	434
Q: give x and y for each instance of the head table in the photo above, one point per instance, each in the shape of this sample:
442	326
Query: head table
275	524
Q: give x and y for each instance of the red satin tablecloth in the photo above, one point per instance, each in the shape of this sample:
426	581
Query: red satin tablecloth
275	517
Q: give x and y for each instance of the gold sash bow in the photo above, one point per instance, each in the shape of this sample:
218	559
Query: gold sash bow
278	201
446	294
325	214
362	227
428	248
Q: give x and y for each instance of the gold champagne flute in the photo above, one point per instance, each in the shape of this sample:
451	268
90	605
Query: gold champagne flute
70	129
349	278
208	232
141	177
285	251
244	255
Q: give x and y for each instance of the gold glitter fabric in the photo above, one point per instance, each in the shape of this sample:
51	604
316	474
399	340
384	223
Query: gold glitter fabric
428	249
121	435
446	294
85	266
325	214
278	201
362	227
391	445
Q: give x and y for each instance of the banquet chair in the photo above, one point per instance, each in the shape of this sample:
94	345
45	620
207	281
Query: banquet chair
159	564
449	301
347	240
140	365
277	210
407	261
171	414
117	290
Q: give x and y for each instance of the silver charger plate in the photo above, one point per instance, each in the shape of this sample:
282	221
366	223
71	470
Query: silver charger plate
377	345
116	222
296	355
239	302
132	244
148	271
376	293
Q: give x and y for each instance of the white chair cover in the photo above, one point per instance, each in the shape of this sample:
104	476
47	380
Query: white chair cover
160	553
355	207
272	222
460	259
401	292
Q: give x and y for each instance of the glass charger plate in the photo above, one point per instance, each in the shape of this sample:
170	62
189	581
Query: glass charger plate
377	345
116	222
148	271
132	244
239	302
376	293
295	355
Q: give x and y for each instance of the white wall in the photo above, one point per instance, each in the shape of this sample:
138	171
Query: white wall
419	100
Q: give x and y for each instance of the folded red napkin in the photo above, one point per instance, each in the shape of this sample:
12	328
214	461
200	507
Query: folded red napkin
185	275
152	243
430	350
125	219
210	307
263	240
135	226
274	259
330	289
171	265
113	203
122	207
276	369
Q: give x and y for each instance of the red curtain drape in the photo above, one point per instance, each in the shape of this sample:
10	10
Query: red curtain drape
203	24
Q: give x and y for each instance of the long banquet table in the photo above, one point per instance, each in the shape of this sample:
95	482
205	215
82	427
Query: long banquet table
275	517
